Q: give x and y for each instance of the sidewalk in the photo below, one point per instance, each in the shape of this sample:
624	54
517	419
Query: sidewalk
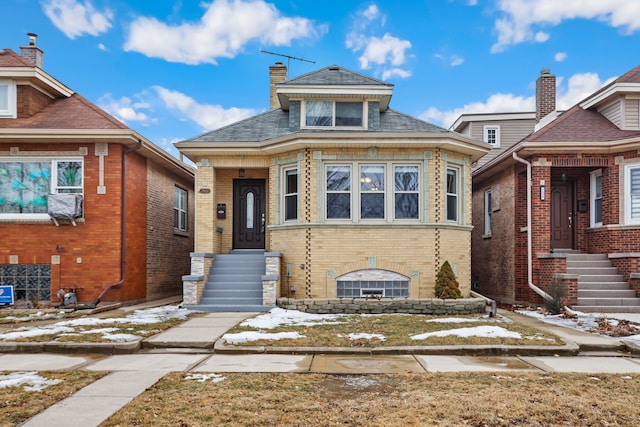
194	346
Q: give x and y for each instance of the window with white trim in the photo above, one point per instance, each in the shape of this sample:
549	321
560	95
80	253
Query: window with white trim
290	194
7	99
596	198
488	209
180	209
453	192
632	193
25	184
333	114
492	135
378	191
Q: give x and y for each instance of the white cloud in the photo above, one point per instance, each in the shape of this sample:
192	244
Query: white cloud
77	18
520	16
225	28
577	88
208	116
388	53
124	109
560	56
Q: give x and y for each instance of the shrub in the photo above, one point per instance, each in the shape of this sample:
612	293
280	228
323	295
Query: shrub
447	285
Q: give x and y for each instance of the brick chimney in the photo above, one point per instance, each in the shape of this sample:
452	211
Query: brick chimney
32	52
277	74
545	94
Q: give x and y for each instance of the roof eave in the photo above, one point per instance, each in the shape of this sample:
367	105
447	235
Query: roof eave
614	89
383	93
36	74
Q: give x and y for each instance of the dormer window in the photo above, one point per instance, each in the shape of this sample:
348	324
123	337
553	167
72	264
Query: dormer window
7	99
333	114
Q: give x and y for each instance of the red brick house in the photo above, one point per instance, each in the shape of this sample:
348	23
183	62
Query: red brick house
85	202
562	205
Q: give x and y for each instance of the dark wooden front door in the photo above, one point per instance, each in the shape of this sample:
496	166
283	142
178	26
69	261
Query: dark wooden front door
562	215
248	213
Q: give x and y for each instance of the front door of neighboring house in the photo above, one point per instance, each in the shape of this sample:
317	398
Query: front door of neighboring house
248	213
562	213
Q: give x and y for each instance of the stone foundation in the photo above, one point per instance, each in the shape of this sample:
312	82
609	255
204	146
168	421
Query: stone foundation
431	306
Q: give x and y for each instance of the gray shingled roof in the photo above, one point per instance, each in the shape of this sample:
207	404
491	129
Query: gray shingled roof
275	123
334	75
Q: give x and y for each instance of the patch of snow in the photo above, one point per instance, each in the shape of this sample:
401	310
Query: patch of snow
278	317
254	336
478	331
361	336
30	381
456	320
121	337
34	332
201	378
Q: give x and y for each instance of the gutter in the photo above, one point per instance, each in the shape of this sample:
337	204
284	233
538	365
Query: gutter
123	226
533	287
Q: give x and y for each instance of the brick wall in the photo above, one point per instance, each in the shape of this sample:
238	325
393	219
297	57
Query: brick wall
167	249
89	253
493	257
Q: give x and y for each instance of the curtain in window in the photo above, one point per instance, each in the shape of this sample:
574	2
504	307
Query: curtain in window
452	195
371	192
406	192
348	113
319	113
4	97
24	186
338	192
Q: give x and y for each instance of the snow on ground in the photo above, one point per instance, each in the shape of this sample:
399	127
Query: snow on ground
586	322
76	326
279	317
478	331
30	381
255	336
201	378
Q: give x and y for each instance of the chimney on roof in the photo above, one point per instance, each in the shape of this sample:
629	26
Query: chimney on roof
277	74
545	94
32	52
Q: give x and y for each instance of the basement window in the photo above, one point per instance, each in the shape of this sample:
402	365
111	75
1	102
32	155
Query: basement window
372	283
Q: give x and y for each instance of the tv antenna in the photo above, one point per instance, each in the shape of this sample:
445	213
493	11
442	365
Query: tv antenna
289	57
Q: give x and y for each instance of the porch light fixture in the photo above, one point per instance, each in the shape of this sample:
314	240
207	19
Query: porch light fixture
542	190
241	173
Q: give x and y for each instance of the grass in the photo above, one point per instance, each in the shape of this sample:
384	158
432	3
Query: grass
397	331
17	405
449	399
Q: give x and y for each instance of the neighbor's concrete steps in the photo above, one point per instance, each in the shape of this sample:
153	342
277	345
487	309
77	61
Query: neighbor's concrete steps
601	289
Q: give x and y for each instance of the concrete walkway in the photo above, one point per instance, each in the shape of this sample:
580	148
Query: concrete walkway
189	347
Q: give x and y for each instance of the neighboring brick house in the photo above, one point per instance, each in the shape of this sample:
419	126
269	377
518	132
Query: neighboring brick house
350	197
121	222
582	170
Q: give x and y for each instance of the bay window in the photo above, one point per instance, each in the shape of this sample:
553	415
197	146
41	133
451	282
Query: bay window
383	191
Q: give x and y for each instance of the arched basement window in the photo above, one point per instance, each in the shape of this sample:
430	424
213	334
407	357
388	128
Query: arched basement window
372	282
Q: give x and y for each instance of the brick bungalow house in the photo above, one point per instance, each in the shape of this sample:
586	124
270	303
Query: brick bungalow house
561	205
85	202
335	192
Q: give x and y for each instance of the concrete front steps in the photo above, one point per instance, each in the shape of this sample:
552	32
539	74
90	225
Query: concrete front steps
234	283
600	288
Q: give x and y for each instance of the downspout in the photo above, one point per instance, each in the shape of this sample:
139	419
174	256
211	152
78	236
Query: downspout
123	225
533	287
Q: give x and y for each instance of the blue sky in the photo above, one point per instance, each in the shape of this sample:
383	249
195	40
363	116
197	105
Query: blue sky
173	69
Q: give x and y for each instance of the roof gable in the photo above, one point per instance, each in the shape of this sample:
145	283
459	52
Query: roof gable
334	75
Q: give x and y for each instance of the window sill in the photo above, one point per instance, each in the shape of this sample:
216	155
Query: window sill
486	236
47	220
182	233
